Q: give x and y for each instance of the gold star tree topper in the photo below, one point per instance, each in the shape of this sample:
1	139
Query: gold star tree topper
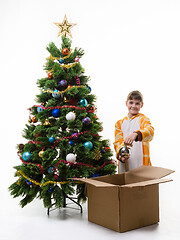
65	27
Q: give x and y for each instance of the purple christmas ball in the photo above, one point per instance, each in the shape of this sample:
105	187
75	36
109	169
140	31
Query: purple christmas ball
86	121
63	84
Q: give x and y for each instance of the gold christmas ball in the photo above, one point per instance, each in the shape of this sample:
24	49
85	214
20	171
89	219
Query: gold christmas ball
65	100
29	120
41	153
46	122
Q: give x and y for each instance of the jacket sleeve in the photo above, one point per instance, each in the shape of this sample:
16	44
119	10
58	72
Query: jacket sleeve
119	138
146	129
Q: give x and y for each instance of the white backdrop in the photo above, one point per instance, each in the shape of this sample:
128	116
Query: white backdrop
129	45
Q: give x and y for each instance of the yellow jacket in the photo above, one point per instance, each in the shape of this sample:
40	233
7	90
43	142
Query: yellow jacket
140	124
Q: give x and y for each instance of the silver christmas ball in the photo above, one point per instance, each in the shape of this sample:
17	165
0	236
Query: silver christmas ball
124	151
70	116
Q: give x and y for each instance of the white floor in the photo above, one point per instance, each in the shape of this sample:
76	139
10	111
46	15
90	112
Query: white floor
32	222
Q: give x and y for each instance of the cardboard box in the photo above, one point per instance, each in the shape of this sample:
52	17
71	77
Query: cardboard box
126	201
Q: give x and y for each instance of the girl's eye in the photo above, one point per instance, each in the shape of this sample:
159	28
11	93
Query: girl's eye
130	102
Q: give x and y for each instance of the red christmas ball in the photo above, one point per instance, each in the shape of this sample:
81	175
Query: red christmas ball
65	51
107	149
50	75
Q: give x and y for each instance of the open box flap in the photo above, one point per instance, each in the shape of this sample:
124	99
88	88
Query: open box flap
94	182
146	183
149	172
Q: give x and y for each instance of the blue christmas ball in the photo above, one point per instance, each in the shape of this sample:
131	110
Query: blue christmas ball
40	109
56	94
50	189
103	150
56	113
95	175
61	60
51	139
71	143
51	170
83	102
88	145
89	88
26	156
28	182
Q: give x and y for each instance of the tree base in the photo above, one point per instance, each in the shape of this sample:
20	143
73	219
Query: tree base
65	204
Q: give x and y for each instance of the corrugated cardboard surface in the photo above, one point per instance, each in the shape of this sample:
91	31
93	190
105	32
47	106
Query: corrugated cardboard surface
123	209
116	179
103	206
146	183
148	172
138	207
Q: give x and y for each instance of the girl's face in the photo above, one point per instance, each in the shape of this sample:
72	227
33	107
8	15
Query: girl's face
134	107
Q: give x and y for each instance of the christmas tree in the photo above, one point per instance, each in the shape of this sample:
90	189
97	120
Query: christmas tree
62	133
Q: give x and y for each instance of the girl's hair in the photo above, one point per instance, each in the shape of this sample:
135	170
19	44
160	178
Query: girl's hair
136	95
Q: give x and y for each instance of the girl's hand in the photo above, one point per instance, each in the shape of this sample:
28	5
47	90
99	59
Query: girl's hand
130	139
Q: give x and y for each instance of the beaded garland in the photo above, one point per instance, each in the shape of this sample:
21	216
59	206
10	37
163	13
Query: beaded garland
74	164
53	146
65	106
69	137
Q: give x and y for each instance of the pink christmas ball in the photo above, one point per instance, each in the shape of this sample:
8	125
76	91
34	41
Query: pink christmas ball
76	59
